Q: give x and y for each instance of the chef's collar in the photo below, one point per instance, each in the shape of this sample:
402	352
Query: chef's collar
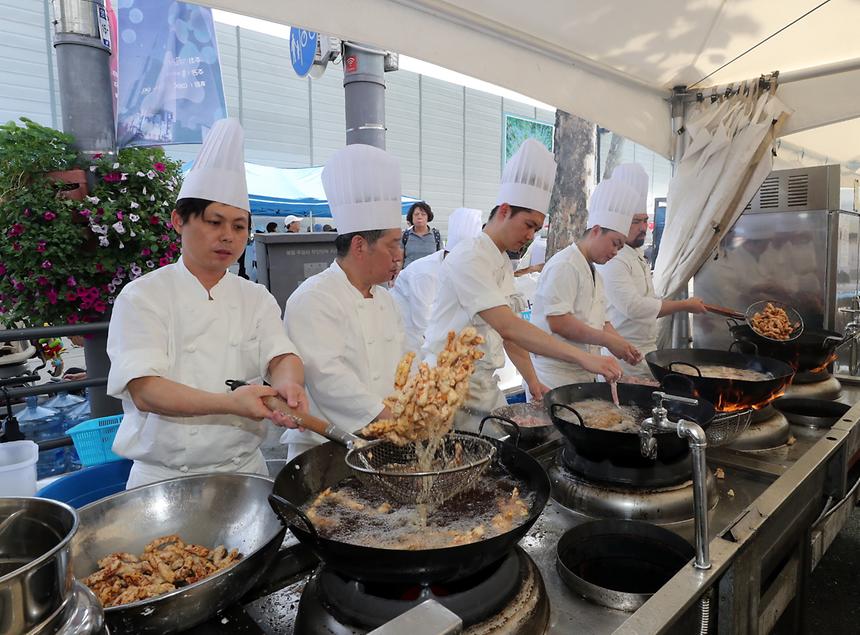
196	287
341	274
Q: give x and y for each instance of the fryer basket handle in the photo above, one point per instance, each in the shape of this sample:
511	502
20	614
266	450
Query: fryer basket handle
553	407
279	504
685	380
503	422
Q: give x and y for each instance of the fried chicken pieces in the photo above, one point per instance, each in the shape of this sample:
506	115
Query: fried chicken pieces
773	322
424	404
166	564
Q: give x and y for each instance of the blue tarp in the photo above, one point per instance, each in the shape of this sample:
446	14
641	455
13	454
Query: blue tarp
284	191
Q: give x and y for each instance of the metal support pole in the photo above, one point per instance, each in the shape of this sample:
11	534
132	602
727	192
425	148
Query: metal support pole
680	321
83	45
364	94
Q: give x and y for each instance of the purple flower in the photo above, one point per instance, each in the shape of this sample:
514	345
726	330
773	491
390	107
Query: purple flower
47	264
26	213
42	281
163	261
52	295
149	264
159	167
49	216
40	246
16	230
145	252
70	281
100	306
18	285
113	177
2	269
119	215
135	270
72	319
85	213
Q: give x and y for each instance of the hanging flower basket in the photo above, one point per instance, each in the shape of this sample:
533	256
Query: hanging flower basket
73	184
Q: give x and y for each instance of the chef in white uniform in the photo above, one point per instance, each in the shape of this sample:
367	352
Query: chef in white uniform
343	320
632	305
416	287
179	332
570	303
476	287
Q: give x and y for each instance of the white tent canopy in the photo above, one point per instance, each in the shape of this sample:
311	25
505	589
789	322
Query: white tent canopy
615	62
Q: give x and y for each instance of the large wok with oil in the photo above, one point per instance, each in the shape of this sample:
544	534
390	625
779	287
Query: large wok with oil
303	478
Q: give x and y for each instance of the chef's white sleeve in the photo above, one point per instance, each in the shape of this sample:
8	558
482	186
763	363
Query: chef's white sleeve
137	342
472	282
622	292
319	330
423	292
557	289
272	336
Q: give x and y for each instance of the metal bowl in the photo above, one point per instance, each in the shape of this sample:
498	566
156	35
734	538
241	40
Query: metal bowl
35	576
207	509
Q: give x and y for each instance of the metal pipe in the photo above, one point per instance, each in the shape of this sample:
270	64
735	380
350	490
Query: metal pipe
52	388
698	442
364	94
15	335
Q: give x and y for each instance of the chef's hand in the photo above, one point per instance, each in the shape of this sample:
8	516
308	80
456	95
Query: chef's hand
537	390
622	349
247	401
603	365
295	396
694	305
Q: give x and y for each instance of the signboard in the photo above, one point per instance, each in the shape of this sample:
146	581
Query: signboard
303	47
170	87
518	129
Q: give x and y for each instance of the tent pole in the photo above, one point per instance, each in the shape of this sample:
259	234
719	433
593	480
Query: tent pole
681	320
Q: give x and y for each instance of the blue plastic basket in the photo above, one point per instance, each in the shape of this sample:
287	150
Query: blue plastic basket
93	440
90	484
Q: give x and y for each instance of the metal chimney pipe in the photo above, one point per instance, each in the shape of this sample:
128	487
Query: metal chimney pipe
364	94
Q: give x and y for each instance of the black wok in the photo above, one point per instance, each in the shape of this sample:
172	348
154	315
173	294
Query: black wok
811	352
619	447
727	395
303	478
530	420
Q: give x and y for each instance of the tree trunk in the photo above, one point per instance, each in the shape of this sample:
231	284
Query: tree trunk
613	156
575	141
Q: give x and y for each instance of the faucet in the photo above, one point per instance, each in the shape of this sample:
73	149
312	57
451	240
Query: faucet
698	442
852	329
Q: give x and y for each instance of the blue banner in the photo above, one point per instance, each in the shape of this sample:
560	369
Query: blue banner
170	87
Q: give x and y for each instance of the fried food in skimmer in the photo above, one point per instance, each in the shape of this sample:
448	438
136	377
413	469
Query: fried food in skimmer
773	322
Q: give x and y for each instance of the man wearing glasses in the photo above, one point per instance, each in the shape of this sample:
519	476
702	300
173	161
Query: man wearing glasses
632	305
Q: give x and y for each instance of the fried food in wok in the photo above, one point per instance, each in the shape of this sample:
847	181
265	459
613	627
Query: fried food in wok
424	404
166	564
773	322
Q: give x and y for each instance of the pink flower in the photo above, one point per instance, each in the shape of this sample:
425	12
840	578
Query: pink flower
40	246
49	216
100	306
16	246
98	155
159	167
70	281
2	269
100	267
154	220
85	213
72	319
145	252
119	215
112	177
163	261
71	296
165	238
52	295
42	281
16	230
26	213
18	285
47	264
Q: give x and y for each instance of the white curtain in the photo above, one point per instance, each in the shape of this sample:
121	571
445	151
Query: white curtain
728	156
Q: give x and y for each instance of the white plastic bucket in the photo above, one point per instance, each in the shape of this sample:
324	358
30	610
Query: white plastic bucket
18	468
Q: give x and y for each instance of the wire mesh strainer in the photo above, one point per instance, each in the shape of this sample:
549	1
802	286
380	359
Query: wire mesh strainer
393	471
726	427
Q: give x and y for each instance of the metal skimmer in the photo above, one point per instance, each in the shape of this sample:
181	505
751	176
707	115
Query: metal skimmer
727	426
394	471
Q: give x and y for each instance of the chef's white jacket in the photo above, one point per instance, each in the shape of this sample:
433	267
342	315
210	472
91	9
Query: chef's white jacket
414	291
350	346
632	305
567	284
164	324
474	277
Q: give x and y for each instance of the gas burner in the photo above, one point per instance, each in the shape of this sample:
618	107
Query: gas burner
508	598
769	429
661	505
645	473
827	387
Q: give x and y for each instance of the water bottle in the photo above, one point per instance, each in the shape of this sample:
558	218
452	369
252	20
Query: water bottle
40	424
77	414
64	403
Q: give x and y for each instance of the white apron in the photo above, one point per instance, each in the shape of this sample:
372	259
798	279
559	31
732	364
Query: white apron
146	473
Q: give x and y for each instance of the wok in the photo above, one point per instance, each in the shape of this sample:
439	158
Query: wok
811	352
311	472
620	447
727	395
206	509
515	413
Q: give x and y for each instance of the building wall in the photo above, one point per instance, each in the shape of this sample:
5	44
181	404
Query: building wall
448	137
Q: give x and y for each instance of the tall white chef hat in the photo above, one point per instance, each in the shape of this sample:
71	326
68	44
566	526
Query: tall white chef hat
634	176
613	205
218	173
463	223
528	177
362	184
